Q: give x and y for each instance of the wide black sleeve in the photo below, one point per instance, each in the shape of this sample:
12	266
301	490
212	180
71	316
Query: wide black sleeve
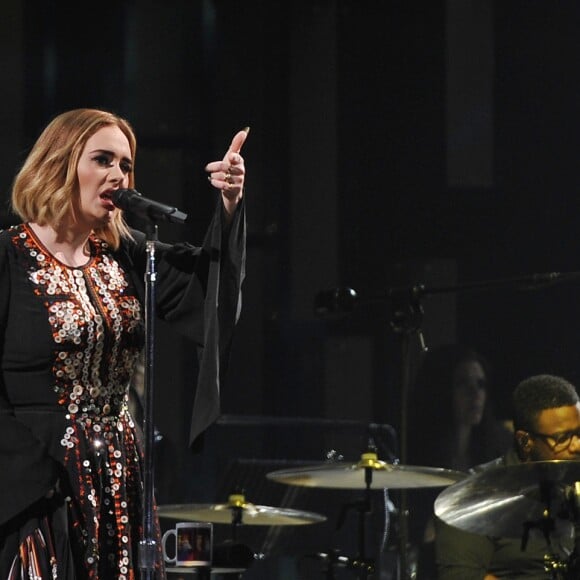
198	292
227	247
27	471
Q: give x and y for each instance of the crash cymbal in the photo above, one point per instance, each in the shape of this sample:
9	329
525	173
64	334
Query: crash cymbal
249	513
506	500
353	475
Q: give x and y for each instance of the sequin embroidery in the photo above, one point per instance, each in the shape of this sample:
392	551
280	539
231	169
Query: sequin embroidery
97	328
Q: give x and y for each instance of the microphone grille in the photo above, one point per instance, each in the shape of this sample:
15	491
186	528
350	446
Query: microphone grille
122	197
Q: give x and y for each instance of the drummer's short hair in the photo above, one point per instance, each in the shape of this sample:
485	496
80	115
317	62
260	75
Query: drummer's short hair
538	393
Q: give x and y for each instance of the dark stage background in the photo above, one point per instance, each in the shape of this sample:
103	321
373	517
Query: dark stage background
392	144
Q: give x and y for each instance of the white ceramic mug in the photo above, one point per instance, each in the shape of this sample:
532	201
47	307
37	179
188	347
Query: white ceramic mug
193	544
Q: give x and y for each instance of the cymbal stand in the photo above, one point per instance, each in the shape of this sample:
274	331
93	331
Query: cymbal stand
553	564
367	566
407	315
573	495
364	565
236	501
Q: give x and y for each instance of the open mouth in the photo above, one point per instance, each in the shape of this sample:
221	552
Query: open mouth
107	200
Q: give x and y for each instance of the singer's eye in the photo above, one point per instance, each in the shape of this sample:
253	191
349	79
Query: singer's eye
126	167
105	160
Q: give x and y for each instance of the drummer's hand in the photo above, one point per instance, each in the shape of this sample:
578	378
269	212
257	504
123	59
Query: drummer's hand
228	175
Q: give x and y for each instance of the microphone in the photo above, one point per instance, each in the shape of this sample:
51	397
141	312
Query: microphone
131	200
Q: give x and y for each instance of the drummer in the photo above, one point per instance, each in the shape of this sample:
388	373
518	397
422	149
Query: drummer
546	413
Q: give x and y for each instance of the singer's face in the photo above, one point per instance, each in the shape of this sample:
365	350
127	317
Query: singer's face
104	165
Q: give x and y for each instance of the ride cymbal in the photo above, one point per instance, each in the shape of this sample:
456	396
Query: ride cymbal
505	501
369	472
238	511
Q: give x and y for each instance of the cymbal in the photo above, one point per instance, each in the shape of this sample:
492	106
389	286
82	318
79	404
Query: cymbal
506	500
250	514
352	475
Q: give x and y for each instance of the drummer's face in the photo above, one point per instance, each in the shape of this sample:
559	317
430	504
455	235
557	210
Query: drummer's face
553	422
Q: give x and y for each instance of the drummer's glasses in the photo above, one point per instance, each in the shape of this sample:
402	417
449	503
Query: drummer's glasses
557	441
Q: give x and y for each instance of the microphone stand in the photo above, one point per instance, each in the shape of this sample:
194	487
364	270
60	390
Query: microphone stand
407	316
148	544
151	212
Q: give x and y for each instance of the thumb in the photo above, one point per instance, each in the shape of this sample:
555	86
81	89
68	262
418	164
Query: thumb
238	140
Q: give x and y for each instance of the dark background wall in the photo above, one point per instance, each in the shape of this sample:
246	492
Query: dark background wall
392	144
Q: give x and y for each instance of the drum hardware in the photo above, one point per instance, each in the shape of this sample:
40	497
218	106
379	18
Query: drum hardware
237	512
506	500
555	567
510	501
333	559
368	474
232	555
364	475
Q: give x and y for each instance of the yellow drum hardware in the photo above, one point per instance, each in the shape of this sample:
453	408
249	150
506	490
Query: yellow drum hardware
368	474
232	556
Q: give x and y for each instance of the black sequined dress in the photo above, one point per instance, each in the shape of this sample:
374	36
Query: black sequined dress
69	342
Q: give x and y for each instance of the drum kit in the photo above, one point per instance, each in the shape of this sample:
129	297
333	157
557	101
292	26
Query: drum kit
504	501
368	474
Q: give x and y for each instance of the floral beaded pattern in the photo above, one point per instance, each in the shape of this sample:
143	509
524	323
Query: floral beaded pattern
96	325
94	322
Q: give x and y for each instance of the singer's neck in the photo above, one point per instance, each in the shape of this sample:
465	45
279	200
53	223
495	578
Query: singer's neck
69	246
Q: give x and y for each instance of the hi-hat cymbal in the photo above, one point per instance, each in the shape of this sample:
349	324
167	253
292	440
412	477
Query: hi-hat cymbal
248	513
504	501
354	475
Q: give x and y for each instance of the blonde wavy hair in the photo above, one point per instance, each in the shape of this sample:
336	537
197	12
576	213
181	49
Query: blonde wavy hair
44	189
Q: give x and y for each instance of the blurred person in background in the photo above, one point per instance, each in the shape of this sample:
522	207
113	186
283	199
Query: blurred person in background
452	425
